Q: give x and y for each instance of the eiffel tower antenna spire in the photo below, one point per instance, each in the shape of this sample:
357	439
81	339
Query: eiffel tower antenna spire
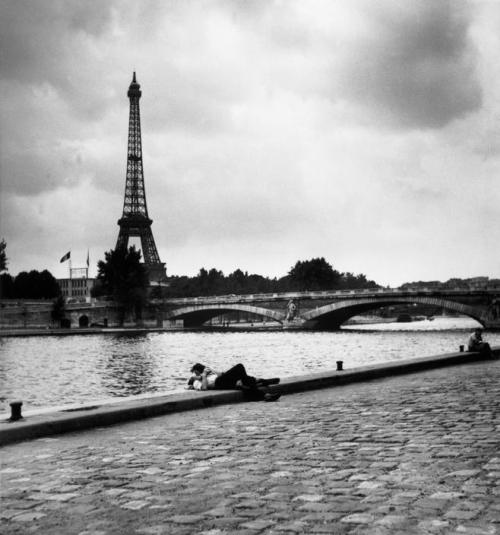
135	221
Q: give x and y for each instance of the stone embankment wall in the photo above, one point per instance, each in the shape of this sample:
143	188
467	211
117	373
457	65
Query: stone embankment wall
25	314
38	315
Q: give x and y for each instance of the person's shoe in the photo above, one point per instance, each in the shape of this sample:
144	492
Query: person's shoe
268	382
272	396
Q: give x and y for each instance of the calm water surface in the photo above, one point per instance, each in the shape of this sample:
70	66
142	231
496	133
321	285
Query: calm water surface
49	371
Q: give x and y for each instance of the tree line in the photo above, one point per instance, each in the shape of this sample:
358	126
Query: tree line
26	285
29	285
305	275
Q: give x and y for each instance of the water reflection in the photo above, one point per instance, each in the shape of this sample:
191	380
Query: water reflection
126	375
128	369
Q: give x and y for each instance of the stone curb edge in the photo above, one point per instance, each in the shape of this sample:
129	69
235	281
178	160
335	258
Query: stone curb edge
90	416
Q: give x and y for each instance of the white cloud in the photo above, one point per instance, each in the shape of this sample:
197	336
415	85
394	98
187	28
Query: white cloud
365	133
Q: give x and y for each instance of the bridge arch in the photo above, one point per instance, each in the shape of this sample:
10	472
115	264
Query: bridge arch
335	314
196	315
83	321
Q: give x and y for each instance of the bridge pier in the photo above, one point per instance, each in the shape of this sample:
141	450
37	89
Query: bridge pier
296	323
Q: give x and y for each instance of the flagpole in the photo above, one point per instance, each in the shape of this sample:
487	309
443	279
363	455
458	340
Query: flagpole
70	293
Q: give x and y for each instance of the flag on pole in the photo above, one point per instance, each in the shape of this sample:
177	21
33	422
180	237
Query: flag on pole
67	256
88	258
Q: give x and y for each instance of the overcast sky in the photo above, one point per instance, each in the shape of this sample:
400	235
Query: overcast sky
273	131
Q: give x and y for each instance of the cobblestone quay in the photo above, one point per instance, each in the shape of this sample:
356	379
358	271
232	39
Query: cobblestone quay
412	454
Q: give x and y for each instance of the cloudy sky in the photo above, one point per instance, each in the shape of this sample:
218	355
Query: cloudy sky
273	131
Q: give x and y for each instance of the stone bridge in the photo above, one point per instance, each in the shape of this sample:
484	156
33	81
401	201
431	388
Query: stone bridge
330	309
295	310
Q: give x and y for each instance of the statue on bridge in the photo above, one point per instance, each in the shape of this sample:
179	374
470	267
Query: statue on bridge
494	309
291	310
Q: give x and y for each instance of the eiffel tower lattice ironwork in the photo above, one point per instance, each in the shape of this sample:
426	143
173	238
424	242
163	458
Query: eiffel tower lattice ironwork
135	221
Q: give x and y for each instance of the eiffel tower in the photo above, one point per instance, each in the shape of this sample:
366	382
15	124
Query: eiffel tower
135	221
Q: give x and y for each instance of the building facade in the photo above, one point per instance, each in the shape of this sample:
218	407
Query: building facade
76	289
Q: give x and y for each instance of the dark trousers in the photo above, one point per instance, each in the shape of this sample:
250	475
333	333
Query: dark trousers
485	350
228	380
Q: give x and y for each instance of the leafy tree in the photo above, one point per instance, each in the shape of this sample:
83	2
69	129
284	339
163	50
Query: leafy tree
36	285
58	309
351	282
48	285
3	256
314	274
6	286
122	275
237	281
23	285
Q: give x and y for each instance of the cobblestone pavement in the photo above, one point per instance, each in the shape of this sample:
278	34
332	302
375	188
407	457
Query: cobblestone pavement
412	454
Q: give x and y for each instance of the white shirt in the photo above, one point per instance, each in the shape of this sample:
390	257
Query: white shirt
474	342
211	377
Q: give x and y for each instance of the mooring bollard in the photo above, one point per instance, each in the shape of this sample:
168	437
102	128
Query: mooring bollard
462	349
15	411
339	365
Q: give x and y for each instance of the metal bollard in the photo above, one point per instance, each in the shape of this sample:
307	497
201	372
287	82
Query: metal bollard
462	349
15	411
339	365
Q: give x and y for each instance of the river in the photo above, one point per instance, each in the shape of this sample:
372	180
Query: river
46	371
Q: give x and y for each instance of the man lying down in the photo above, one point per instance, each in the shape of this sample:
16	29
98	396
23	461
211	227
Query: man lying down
236	378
